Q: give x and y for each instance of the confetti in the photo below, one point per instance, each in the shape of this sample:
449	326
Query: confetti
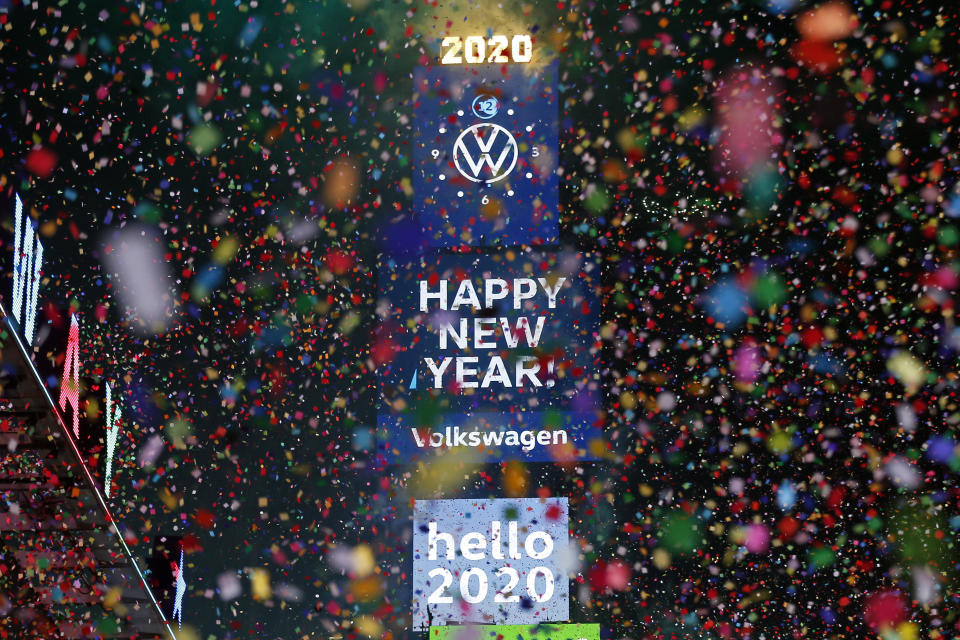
770	192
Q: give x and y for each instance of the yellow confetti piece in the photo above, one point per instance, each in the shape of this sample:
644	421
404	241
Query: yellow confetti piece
907	369
515	479
368	626
226	250
260	584
908	631
363	559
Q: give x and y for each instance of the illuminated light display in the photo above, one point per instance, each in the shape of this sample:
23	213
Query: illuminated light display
486	154
27	257
490	439
489	561
181	591
517	632
505	343
477	49
76	519
70	382
113	430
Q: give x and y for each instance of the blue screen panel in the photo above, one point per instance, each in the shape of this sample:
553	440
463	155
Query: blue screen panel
492	356
485	154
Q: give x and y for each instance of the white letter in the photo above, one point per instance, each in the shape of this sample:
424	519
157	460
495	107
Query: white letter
433	538
481	333
437	371
551	291
527	439
470	544
524	323
493	439
496	372
495	547
523	289
512	540
463	371
547	545
465	296
489	297
447	329
529	372
440	295
508	334
416	438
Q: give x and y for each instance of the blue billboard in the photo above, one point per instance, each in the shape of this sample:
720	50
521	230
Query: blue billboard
493	356
485	154
490	561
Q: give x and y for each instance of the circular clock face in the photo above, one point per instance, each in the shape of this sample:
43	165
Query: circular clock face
485	156
485	153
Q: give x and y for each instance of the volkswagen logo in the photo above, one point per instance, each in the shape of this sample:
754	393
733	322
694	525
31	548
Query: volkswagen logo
483	150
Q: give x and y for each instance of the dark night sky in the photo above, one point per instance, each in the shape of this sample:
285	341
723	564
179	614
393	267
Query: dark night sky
771	185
